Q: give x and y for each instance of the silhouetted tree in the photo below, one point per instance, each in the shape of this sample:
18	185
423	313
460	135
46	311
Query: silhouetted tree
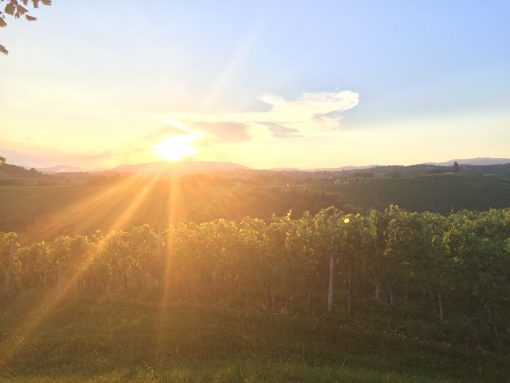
17	9
456	167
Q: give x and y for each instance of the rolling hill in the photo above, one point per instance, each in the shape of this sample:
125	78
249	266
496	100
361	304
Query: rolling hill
184	167
81	202
67	169
480	161
441	193
472	165
18	175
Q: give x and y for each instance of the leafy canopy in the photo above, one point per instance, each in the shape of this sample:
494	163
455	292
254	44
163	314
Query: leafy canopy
17	9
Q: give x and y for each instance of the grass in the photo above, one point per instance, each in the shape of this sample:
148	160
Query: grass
239	372
120	340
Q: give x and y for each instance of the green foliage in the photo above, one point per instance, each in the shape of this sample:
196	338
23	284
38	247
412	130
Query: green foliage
425	265
257	292
17	9
437	193
115	339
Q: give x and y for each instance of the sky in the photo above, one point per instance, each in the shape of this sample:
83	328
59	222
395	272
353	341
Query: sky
267	84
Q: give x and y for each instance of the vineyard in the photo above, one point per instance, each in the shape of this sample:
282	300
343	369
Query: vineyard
447	269
395	278
442	193
245	192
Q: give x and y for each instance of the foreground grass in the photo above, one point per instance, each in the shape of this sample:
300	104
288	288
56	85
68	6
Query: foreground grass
237	372
114	340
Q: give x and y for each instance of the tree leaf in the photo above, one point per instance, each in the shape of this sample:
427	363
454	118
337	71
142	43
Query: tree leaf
10	8
20	10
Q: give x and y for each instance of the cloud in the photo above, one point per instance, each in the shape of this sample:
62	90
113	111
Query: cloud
312	114
226	131
165	131
280	131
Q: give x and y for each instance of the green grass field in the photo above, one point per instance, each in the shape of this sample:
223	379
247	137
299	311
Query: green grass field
119	340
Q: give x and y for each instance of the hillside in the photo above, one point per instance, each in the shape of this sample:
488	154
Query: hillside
66	169
86	204
103	201
496	169
184	167
439	193
500	166
480	161
18	175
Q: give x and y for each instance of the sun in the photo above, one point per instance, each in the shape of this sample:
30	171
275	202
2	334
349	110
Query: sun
176	148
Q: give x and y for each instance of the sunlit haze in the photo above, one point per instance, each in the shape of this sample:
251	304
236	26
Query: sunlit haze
254	191
98	84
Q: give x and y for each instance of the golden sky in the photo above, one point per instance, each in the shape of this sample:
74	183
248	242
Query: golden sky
265	85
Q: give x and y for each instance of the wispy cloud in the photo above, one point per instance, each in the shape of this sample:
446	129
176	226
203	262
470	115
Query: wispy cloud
225	131
280	131
312	114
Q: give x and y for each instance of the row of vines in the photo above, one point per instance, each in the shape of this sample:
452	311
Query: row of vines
452	269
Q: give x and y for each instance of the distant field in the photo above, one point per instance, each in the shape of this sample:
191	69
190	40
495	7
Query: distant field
43	211
84	208
438	193
140	341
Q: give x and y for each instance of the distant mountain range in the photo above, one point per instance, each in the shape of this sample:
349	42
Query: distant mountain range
185	167
190	167
67	169
480	161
